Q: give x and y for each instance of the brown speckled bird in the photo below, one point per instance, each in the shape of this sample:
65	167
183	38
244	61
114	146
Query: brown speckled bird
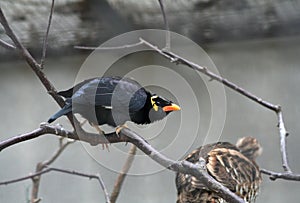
232	165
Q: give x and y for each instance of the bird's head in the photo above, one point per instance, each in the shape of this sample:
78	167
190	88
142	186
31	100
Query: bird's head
249	147
159	103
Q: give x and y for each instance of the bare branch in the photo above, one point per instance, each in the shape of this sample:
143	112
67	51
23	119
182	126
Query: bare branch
45	43
127	46
276	108
30	60
283	137
123	174
166	23
93	139
179	60
181	166
127	135
42	165
90	176
61	148
34	66
284	175
6	45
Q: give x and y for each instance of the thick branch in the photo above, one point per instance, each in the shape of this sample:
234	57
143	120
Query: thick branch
91	138
34	65
29	59
127	135
182	167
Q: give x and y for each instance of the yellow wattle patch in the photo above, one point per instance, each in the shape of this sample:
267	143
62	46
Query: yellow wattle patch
155	107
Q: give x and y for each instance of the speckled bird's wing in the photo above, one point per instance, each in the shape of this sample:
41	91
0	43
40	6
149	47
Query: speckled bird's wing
228	166
194	157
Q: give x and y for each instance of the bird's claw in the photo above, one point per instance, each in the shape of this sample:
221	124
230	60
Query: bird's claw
119	128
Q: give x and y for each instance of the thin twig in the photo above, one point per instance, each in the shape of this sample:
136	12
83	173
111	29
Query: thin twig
284	175
71	172
127	46
45	43
166	23
123	174
179	60
42	165
276	108
6	45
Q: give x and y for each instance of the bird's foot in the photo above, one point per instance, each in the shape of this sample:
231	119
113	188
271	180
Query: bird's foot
101	132
43	124
119	128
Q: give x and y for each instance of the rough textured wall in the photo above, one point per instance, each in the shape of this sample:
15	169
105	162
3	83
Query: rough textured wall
82	22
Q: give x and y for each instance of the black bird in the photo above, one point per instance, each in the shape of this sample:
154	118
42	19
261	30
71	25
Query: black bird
113	101
231	165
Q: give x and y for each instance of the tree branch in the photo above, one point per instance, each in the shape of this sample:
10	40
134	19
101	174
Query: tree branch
7	45
93	139
276	108
127	46
180	60
42	165
127	135
45	43
34	65
284	175
166	23
49	169
283	138
123	174
181	166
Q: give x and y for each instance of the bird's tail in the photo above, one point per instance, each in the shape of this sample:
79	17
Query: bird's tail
65	110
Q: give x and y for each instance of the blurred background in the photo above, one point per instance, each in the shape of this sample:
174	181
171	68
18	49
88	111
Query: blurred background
254	44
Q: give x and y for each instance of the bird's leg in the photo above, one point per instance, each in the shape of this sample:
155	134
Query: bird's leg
101	132
119	128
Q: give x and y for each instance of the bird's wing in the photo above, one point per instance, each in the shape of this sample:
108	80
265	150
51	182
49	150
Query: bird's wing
231	168
128	95
228	166
213	164
69	92
111	92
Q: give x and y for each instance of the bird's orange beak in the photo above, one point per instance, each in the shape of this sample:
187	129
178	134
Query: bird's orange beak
173	107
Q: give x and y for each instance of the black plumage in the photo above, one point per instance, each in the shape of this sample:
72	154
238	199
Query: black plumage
232	165
113	101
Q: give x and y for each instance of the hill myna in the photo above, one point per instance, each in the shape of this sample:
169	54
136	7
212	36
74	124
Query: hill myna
113	101
231	165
